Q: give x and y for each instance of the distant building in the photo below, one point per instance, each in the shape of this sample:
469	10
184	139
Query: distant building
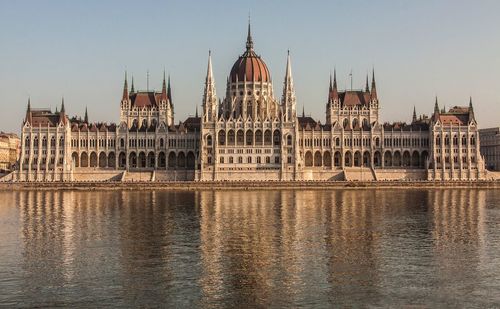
490	147
252	135
9	151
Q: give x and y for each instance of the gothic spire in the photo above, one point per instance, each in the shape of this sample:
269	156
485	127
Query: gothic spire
28	111
86	117
132	90
63	110
196	112
210	75
288	67
374	88
366	86
164	88
303	111
209	97
125	88
249	37
333	93
330	87
414	118
169	91
471	110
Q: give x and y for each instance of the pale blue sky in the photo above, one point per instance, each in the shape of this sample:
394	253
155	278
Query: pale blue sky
80	49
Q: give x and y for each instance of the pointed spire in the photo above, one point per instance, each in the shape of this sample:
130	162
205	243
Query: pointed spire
414	118
288	67
330	87
471	110
125	88
249	37
436	106
303	111
164	88
86	117
28	112
335	78
333	92
169	91
366	86
374	89
63	110
132	90
209	67
196	112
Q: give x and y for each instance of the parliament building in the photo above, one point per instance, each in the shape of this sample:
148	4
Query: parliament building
250	134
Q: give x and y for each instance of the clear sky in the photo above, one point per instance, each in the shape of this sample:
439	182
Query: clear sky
80	50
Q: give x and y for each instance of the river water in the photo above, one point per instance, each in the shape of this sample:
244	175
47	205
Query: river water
330	248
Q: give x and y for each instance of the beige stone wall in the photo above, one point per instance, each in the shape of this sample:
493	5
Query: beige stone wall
400	174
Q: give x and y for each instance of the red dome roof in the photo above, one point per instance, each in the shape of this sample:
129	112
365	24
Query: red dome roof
249	66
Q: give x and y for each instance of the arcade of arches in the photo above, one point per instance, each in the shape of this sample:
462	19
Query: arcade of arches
388	160
140	160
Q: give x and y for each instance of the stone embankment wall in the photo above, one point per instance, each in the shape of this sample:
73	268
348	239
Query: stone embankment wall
246	185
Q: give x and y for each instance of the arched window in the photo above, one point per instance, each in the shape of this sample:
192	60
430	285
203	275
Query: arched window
209	140
289	140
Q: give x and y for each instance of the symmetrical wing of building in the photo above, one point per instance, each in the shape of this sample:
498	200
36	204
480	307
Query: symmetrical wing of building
250	135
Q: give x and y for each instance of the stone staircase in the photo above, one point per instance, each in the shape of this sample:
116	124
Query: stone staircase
359	174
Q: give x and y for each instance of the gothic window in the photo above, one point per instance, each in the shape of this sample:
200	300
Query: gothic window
230	137
27	141
258	160
240	160
222	137
249	159
277	138
44	141
268	160
231	160
209	140
289	140
277	160
221	160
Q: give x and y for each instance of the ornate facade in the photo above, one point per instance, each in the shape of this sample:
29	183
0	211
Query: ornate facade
250	135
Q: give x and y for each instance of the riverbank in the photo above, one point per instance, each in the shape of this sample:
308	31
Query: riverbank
243	185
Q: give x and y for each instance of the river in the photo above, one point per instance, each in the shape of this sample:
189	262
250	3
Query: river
283	248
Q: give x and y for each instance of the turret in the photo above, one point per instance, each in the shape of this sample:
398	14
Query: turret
414	118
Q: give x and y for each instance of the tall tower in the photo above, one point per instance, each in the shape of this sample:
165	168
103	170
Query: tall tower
288	100
210	107
125	102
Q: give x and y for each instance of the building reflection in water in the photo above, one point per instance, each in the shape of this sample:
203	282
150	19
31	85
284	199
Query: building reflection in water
258	248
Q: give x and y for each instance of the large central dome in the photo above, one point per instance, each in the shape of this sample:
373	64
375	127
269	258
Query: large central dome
249	66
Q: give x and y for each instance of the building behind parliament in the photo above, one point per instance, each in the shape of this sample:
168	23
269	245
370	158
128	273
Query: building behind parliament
250	134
